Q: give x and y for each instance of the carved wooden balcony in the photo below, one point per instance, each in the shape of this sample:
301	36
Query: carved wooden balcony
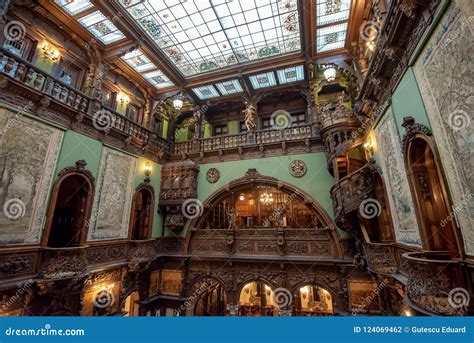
276	142
52	99
436	284
381	258
310	242
63	263
348	193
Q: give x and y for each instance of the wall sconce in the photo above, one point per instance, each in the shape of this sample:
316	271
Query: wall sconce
147	170
369	148
124	99
329	72
370	45
49	52
178	101
242	197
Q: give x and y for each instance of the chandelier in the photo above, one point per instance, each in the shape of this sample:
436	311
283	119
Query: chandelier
266	198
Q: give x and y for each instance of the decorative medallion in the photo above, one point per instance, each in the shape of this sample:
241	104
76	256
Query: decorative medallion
297	168
213	175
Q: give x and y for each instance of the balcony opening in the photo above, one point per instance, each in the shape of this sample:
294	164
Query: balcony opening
257	300
312	301
211	300
69	212
431	201
142	214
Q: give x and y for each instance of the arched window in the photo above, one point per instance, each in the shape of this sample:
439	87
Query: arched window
433	209
141	221
70	207
257	299
211	302
313	301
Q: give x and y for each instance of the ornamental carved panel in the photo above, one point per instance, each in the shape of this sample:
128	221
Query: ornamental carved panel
297	168
213	175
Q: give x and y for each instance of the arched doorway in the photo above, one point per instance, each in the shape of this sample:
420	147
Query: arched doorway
70	207
313	301
211	300
130	306
141	221
257	300
431	201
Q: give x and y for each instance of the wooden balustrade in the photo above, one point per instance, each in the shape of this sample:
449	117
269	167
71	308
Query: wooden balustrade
34	78
245	139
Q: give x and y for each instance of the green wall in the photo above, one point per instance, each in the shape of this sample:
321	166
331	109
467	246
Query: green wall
182	134
207	130
79	147
407	101
233	127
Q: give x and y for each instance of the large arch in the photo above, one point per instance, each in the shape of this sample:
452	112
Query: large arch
251	179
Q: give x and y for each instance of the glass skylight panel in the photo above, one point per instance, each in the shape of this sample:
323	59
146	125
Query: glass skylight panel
199	36
138	61
205	92
229	87
74	7
332	11
331	37
158	79
263	80
291	74
101	27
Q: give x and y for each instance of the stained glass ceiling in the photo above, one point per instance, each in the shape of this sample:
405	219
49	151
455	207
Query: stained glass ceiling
198	36
74	7
331	21
101	27
142	64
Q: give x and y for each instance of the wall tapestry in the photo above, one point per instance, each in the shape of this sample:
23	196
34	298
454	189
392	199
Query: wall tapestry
396	181
114	191
28	155
444	72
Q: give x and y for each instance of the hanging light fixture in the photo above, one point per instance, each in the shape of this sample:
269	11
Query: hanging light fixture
178	101
266	198
329	72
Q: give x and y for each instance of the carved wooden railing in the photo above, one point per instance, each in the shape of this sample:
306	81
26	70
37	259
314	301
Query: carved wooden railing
313	242
34	78
245	139
349	191
61	263
436	283
381	257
